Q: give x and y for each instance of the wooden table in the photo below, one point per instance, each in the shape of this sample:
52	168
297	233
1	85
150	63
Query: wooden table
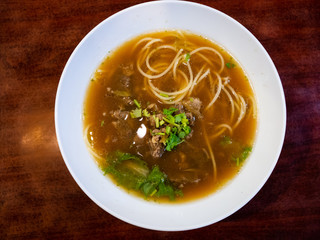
38	197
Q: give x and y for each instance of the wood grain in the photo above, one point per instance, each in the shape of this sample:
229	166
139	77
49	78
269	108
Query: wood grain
38	197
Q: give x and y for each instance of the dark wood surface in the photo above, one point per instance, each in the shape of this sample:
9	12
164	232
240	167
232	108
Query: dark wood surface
38	197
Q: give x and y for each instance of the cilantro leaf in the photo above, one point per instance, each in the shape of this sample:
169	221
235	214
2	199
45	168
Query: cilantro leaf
230	65
244	154
136	113
127	169
169	111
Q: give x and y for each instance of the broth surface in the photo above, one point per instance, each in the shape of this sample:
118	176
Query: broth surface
118	81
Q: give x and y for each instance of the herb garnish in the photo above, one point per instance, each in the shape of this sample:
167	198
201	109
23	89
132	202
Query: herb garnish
164	95
132	172
226	140
176	125
136	113
137	103
230	65
177	129
242	156
187	58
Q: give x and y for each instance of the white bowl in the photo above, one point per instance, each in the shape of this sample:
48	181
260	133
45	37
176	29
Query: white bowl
201	20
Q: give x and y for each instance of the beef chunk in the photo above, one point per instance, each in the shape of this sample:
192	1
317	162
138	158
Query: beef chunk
123	129
124	96
127	69
191	118
155	143
153	107
189	171
125	81
193	106
180	108
127	101
124	75
156	148
119	114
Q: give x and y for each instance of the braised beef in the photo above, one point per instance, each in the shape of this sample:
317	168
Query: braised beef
124	96
191	118
193	105
119	114
124	131
155	143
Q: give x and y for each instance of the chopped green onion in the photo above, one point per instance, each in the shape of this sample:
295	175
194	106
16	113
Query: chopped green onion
168	129
187	58
137	103
102	123
159	133
164	95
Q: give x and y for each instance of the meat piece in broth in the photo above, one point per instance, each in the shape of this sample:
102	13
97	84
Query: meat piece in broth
193	105
156	143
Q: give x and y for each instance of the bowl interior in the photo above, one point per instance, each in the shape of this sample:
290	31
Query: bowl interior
209	23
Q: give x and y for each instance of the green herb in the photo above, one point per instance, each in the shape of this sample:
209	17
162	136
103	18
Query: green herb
159	133
170	121
169	111
191	99
226	140
136	113
242	156
182	134
158	185
145	113
164	95
162	122
92	80
102	123
168	129
230	65
177	129
131	172
156	119
187	58
127	169
178	118
172	141
137	103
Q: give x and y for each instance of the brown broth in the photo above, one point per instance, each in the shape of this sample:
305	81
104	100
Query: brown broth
104	138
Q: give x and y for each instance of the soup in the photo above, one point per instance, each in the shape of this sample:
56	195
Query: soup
170	116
